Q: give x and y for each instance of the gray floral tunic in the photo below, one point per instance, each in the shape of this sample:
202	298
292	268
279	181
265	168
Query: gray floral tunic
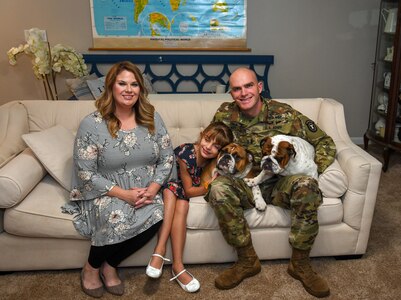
134	159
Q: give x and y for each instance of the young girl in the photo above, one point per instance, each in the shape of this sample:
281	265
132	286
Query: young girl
191	158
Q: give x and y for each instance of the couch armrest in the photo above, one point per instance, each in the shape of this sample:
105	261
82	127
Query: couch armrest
18	177
363	172
362	169
13	124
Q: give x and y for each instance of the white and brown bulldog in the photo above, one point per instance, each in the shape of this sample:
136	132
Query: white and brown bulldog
288	155
285	155
233	160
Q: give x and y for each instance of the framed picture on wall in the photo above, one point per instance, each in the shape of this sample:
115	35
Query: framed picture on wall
169	25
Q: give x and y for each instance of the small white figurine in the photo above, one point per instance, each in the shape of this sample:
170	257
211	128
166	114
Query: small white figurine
380	126
382	99
387	79
389	56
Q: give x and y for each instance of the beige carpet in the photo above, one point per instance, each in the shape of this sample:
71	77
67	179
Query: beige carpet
377	275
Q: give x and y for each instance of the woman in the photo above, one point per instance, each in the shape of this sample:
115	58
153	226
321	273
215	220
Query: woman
122	156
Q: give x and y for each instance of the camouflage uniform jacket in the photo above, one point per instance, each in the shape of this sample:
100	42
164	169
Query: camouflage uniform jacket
276	118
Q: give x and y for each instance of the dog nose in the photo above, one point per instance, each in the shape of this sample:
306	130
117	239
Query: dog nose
225	158
267	164
223	162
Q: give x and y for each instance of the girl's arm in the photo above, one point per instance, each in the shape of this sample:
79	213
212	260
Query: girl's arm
190	190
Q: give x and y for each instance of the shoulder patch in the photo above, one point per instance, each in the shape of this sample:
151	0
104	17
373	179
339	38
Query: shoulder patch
225	106
311	125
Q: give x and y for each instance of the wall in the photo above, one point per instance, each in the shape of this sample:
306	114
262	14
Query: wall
322	48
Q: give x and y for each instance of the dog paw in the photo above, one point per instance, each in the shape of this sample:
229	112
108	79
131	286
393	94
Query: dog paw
250	182
260	204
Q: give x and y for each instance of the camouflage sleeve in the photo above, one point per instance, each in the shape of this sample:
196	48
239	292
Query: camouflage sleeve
325	149
223	114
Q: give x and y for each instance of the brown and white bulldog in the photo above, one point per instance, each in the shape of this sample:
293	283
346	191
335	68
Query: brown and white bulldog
233	160
285	155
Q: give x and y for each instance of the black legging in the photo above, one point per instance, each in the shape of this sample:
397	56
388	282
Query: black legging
114	254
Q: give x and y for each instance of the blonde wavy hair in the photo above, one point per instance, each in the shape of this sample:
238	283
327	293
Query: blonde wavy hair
144	111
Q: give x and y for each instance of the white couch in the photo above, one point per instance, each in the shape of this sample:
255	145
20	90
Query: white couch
35	234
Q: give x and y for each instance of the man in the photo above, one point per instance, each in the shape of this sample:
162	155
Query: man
252	118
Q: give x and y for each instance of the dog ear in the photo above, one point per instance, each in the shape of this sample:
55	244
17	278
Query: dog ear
291	150
249	155
263	141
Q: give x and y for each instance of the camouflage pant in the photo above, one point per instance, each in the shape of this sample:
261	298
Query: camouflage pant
230	197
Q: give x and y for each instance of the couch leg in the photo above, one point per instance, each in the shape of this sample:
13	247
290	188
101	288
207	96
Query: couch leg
345	257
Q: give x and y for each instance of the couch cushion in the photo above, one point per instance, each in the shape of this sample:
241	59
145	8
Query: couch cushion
39	215
46	114
201	215
54	147
184	119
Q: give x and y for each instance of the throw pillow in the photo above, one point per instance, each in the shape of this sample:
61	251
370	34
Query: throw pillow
333	182
53	147
79	87
148	84
96	86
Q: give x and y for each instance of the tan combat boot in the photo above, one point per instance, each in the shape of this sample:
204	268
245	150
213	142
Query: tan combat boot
248	265
301	269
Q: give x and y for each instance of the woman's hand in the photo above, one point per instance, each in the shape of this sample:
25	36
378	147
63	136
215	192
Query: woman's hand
141	197
137	197
146	196
152	190
134	196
